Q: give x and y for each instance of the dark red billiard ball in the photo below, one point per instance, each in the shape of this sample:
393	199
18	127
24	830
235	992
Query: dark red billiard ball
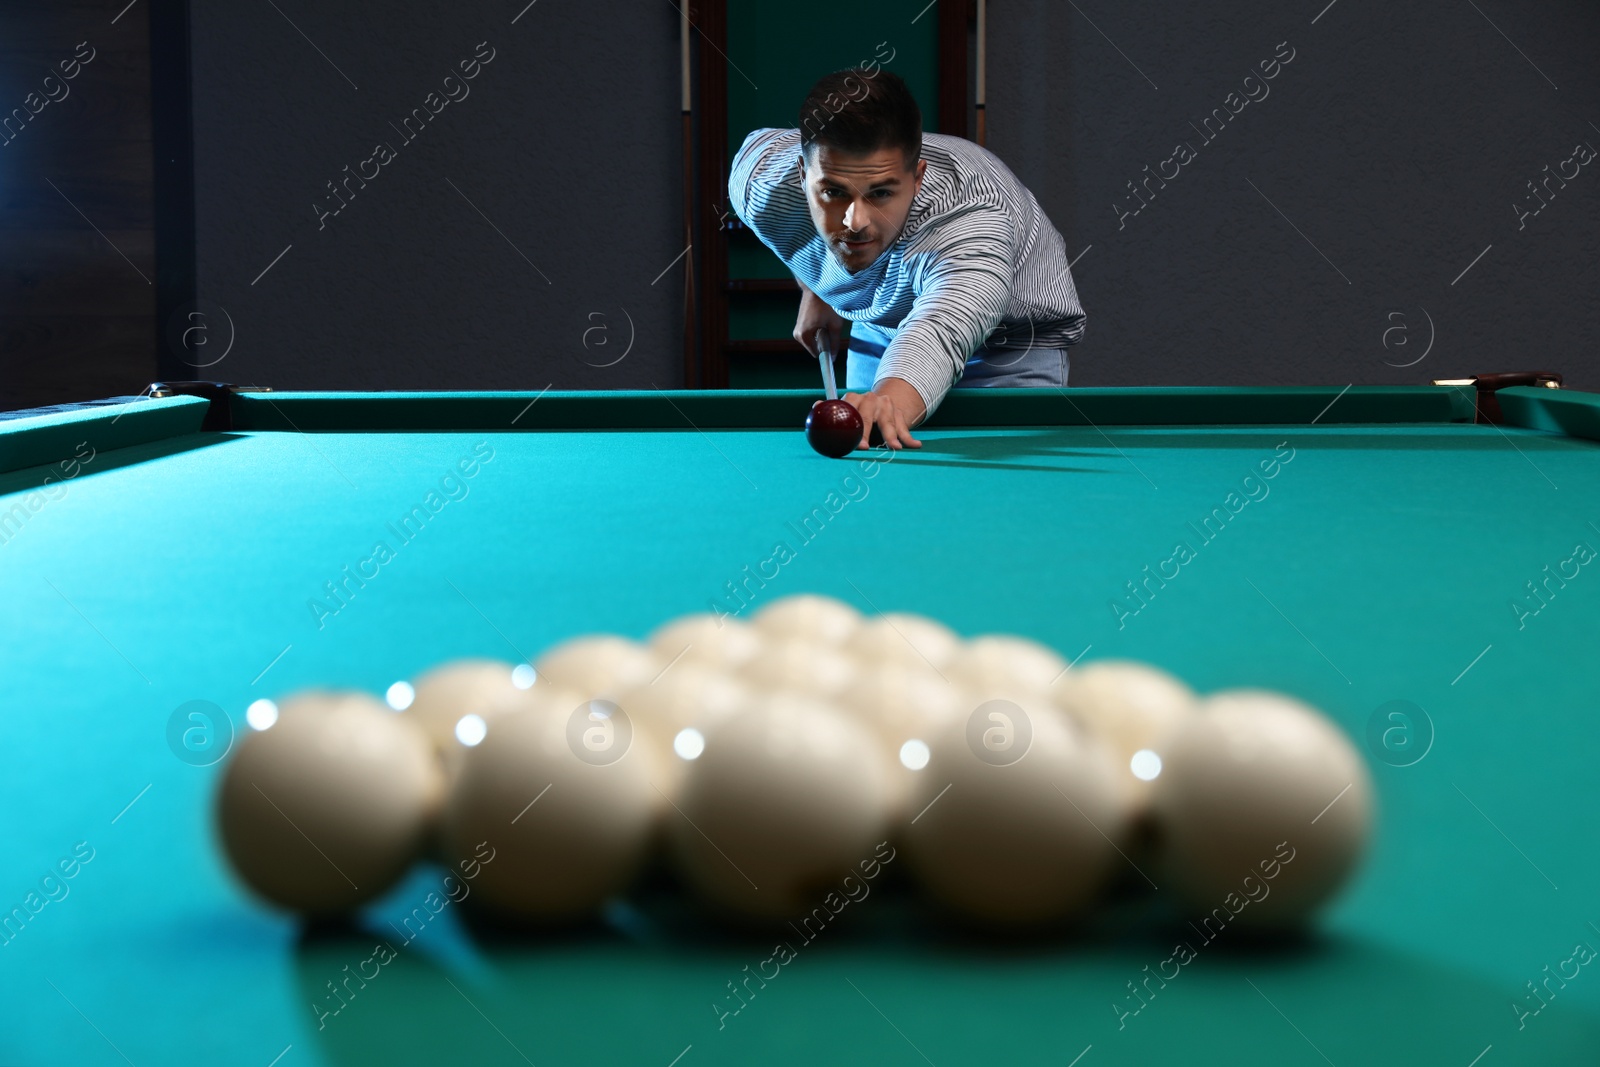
833	427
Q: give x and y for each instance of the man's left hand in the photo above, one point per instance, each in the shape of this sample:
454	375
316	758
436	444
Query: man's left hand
893	407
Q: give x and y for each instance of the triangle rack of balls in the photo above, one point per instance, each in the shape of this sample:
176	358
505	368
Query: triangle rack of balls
762	761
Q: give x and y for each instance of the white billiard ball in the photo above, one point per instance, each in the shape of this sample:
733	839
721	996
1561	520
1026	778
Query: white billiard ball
1027	842
809	617
1134	708
904	638
598	665
1262	809
716	640
566	822
901	701
907	706
1002	663
786	799
689	696
327	806
801	666
453	703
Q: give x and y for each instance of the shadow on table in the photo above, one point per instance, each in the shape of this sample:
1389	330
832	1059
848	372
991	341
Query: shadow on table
986	447
103	462
1006	451
658	975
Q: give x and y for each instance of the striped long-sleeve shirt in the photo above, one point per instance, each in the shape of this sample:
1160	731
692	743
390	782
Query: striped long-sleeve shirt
977	263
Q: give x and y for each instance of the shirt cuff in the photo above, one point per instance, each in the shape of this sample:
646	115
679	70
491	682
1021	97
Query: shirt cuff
931	386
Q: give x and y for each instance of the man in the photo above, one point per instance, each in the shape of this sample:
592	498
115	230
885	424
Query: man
939	259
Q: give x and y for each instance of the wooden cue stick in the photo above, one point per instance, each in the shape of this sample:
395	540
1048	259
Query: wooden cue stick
690	363
982	48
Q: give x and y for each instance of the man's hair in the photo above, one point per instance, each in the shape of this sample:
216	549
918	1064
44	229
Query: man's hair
860	112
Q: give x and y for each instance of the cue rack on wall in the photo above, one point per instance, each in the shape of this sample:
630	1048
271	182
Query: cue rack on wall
711	230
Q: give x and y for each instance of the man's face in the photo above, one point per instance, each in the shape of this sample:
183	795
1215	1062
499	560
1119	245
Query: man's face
859	202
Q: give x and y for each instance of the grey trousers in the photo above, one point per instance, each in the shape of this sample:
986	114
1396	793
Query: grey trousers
1004	368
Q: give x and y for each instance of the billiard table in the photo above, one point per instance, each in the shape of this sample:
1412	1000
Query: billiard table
1419	575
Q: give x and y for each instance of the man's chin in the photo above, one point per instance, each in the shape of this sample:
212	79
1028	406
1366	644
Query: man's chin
857	258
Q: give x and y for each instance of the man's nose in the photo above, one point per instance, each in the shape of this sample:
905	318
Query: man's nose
855	216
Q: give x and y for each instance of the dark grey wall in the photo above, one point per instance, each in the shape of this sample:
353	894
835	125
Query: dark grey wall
1396	142
77	236
1318	238
507	246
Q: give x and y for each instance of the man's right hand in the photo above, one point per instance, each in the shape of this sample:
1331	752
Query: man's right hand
816	315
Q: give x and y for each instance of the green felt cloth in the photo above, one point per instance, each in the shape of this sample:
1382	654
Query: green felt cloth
1380	564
